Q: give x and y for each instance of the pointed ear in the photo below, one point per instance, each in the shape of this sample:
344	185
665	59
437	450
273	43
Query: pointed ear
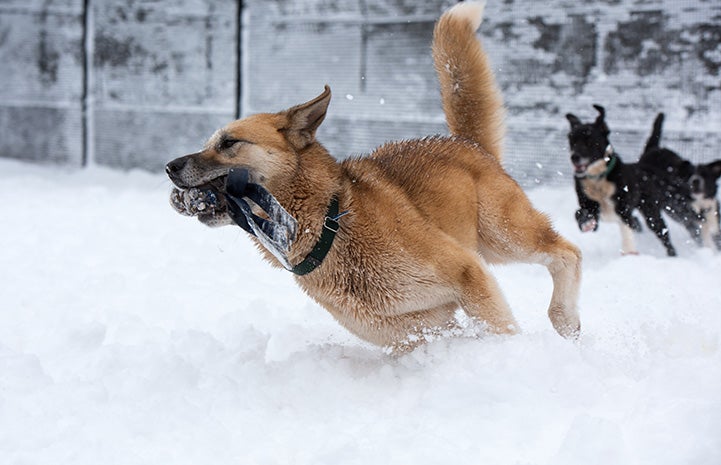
304	119
573	119
600	119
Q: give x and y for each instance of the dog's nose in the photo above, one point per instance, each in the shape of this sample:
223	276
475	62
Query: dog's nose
575	158
696	184
176	165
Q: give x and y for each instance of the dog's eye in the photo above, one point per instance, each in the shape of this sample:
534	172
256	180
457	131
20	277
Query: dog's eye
228	143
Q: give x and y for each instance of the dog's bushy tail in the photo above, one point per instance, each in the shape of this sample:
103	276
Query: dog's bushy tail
654	141
471	98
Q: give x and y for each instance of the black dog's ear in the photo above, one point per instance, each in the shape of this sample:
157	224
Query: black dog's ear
715	167
573	120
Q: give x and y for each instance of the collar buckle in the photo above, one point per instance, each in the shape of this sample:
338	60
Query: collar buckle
330	227
331	224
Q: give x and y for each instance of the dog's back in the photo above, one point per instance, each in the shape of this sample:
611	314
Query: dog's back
452	200
474	112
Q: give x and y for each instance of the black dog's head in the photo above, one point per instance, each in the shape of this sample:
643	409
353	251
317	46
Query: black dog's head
588	142
703	180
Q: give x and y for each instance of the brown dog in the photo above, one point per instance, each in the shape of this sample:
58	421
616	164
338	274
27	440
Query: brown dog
424	217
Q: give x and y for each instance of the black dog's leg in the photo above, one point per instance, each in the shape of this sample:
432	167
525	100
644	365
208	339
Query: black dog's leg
587	215
716	217
655	222
624	211
694	229
716	238
689	218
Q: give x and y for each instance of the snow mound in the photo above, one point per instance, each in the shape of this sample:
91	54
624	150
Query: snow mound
132	335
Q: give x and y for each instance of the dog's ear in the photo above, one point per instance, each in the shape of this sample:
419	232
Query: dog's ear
600	118
304	119
715	167
573	120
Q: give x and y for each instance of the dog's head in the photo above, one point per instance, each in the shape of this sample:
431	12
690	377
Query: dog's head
588	142
267	145
703	180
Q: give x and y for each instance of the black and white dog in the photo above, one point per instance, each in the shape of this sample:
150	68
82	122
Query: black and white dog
704	188
696	185
609	189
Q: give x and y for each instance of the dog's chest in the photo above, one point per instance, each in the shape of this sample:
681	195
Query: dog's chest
601	191
708	209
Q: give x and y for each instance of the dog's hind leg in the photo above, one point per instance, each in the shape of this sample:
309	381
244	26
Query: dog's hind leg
511	230
628	241
655	223
565	269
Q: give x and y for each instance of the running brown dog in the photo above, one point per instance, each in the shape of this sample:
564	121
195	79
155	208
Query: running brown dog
424	217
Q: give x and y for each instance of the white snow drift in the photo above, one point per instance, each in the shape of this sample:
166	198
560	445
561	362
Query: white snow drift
132	335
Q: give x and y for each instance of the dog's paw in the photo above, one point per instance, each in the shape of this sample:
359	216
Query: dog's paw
195	201
636	224
588	226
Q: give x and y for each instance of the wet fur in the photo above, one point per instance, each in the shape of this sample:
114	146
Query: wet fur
425	217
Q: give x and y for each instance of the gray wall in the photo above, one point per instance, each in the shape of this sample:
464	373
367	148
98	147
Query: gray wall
134	83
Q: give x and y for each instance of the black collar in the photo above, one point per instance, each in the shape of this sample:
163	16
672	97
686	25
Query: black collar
330	228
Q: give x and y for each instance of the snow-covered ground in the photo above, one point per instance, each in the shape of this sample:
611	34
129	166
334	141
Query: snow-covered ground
132	335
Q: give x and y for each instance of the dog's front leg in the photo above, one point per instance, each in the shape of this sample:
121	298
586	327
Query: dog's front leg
717	241
712	225
401	334
587	215
697	229
628	225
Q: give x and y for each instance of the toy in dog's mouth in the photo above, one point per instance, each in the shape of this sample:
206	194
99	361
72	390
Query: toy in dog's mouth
228	196
206	201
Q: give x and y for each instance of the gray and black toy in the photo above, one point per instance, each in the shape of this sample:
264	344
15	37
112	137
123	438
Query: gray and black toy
276	232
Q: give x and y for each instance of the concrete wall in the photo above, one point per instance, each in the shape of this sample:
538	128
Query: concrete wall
134	83
41	82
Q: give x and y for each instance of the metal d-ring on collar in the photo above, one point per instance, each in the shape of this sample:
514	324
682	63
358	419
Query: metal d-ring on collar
330	228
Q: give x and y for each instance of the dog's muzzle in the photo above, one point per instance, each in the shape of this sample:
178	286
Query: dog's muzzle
696	183
580	164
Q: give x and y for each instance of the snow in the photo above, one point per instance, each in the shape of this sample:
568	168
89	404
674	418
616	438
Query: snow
132	335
